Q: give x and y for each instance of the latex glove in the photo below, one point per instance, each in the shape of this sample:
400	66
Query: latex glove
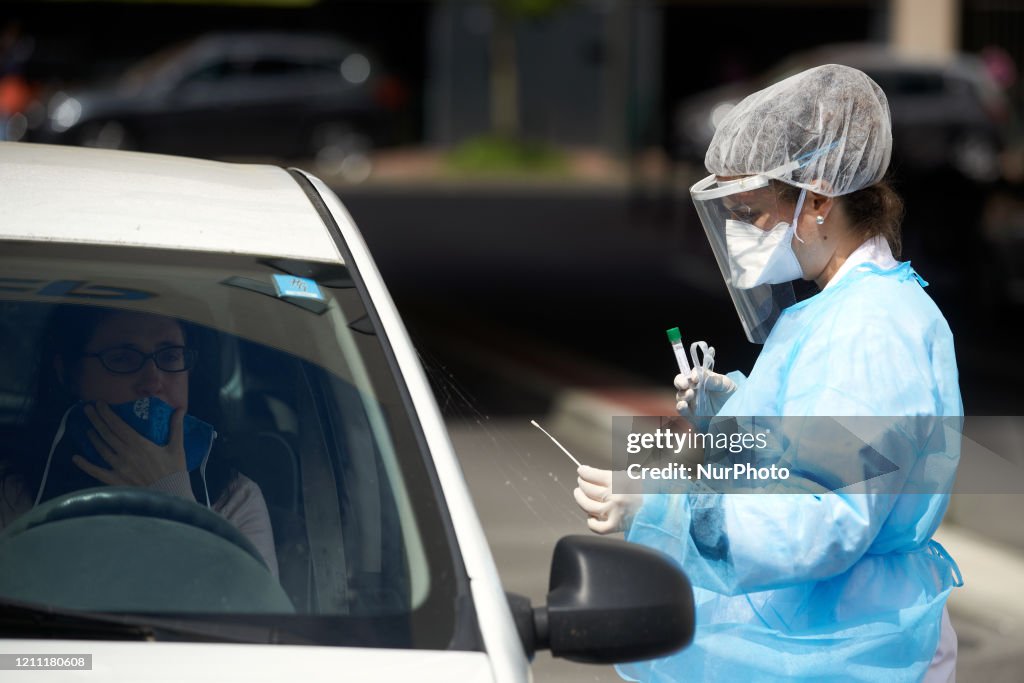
718	388
609	512
136	461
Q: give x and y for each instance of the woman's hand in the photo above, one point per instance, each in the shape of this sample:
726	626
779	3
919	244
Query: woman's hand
609	512
718	388
136	461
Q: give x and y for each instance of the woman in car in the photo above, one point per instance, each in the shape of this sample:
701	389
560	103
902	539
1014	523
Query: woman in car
94	362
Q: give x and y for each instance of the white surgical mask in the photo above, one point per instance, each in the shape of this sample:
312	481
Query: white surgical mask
763	257
760	257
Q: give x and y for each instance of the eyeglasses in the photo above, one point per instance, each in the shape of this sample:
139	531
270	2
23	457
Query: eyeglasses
124	361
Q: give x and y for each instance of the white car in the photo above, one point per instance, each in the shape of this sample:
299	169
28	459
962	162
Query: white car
297	358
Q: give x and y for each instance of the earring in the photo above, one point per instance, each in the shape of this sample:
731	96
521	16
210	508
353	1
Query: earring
820	220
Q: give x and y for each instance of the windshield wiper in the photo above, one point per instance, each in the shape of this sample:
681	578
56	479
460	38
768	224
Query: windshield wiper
28	620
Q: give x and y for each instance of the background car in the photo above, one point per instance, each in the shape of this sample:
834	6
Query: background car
947	115
241	94
317	395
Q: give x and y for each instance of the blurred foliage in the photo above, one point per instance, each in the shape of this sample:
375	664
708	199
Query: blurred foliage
530	9
496	154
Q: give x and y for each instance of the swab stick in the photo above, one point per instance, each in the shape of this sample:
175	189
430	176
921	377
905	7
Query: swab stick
578	463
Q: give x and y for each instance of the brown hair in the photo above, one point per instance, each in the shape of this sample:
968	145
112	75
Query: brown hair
874	210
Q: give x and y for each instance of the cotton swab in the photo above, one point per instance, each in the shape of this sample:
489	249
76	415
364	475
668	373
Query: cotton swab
578	463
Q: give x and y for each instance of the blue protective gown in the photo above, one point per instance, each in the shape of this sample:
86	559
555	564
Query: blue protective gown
827	586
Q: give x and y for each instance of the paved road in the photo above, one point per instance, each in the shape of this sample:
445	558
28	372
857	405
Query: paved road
522	486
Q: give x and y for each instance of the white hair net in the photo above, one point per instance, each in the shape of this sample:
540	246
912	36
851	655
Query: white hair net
826	129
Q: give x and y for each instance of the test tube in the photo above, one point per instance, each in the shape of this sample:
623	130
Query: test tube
676	337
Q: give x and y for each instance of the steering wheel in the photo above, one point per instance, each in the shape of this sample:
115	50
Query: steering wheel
132	501
125	549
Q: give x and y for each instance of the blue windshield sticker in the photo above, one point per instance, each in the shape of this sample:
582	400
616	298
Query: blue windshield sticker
293	287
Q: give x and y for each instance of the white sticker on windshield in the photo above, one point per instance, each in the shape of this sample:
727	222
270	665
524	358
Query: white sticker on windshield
293	287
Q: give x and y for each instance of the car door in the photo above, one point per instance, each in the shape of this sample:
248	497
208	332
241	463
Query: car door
217	109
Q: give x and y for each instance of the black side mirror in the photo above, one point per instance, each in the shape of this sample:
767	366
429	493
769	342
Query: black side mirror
608	601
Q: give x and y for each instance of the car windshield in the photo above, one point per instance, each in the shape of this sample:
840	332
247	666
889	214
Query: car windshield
314	517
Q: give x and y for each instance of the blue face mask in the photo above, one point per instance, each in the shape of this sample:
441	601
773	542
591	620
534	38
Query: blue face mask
151	418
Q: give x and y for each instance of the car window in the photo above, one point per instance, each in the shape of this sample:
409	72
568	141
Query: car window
275	67
261	68
294	379
215	71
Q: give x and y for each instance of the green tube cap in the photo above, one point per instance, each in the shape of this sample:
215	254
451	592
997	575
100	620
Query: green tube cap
674	335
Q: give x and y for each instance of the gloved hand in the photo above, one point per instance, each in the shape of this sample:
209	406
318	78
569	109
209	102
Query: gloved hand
609	512
718	388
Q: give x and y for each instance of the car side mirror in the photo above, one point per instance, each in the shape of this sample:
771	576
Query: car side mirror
608	601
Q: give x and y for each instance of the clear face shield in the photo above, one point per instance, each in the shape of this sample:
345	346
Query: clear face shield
750	228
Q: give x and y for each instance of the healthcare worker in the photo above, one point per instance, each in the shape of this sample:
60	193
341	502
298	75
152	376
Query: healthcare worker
837	577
